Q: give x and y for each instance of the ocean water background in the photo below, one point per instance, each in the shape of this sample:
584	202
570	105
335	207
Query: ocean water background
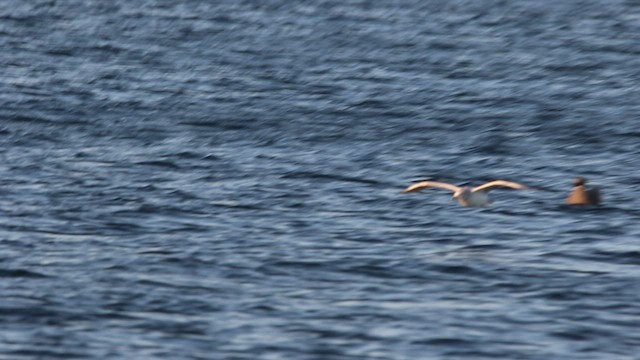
222	179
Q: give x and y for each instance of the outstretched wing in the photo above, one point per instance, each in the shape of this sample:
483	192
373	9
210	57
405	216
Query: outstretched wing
499	183
424	184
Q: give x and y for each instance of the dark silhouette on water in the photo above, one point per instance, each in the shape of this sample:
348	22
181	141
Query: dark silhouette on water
581	194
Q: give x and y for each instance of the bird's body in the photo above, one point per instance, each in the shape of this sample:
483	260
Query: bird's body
581	194
467	197
475	197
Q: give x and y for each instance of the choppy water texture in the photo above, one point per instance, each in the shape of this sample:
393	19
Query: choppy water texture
222	179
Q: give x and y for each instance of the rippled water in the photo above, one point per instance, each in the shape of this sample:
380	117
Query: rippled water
222	179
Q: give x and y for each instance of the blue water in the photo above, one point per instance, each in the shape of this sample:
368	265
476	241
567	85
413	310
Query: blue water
222	179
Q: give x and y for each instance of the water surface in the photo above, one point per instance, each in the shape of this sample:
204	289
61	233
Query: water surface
222	180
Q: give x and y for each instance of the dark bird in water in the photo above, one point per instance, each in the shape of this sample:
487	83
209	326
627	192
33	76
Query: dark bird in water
581	194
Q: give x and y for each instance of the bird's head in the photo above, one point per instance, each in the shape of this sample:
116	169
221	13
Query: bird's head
460	193
579	181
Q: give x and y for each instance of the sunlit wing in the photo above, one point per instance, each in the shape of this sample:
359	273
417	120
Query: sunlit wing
425	184
499	183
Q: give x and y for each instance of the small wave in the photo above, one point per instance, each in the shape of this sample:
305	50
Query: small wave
44	354
20	273
159	163
323	176
622	257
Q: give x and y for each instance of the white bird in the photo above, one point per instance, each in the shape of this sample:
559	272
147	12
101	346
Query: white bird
467	196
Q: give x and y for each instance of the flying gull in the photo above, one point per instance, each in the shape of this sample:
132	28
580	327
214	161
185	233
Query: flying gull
467	196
